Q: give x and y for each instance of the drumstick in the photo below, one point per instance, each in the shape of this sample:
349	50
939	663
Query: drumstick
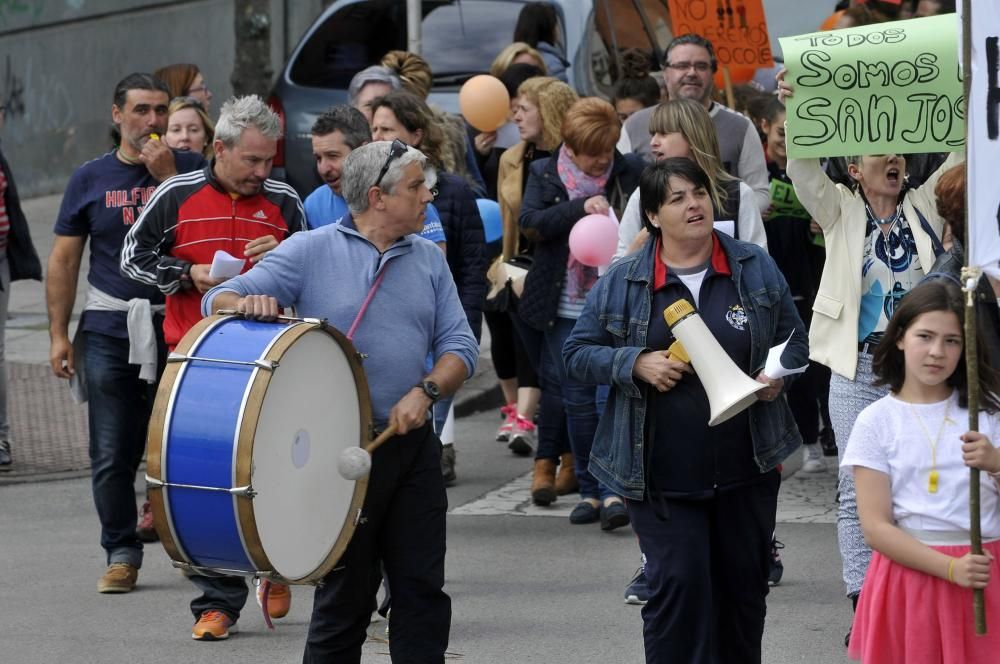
355	463
389	432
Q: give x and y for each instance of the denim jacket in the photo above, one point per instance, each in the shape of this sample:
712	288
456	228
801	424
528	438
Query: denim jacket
611	333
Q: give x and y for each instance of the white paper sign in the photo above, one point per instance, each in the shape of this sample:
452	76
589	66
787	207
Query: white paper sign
225	266
773	368
984	141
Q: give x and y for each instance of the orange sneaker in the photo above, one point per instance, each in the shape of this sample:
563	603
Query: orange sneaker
213	626
279	598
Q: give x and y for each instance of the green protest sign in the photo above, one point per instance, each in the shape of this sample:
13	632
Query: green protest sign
877	89
784	202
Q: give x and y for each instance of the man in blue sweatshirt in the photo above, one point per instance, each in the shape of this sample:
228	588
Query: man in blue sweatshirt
373	273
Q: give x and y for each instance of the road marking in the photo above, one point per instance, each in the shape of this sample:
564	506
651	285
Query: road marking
804	498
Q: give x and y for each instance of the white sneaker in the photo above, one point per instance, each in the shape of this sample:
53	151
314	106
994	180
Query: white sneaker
813	459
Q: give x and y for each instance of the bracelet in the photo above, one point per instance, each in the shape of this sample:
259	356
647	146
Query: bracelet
951	571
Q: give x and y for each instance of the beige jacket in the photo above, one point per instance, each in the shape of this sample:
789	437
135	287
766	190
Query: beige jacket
510	191
833	335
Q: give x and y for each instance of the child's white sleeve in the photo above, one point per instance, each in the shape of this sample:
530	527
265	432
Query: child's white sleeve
867	445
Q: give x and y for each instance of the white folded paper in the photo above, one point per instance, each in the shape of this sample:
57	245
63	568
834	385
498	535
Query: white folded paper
773	367
225	266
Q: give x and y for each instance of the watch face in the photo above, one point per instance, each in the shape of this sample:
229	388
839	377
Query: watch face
432	390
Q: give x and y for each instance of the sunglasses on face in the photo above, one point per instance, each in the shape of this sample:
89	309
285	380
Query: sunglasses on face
396	150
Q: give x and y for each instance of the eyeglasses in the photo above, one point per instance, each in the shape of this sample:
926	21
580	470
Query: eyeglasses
700	67
396	150
200	88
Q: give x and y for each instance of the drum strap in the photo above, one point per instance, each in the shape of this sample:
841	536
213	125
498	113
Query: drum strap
364	305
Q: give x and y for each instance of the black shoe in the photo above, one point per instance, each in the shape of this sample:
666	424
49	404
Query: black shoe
614	516
5	458
777	568
828	442
637	590
584	512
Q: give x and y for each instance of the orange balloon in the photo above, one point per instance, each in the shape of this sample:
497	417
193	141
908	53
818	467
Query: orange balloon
484	102
737	74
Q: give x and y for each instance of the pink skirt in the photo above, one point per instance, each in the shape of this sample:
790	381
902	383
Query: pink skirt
908	617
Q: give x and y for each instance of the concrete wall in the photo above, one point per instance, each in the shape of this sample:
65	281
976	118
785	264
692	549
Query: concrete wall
60	61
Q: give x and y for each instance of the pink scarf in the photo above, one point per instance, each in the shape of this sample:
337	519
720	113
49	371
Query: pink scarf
580	278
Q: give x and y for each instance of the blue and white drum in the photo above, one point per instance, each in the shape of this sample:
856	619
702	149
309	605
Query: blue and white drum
249	421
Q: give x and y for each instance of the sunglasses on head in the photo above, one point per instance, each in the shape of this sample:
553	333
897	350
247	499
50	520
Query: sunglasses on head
396	150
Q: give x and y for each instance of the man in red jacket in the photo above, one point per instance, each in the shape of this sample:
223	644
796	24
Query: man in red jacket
233	206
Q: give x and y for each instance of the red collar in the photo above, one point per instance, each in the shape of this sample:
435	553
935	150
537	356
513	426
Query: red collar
719	262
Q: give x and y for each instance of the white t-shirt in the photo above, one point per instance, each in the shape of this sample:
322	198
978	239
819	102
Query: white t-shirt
887	437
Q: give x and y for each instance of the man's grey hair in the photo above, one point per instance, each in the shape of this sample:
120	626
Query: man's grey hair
241	113
373	74
362	166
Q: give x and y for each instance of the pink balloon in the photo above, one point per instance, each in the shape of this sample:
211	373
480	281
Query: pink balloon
594	239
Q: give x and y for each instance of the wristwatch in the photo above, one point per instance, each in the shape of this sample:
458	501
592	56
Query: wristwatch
431	389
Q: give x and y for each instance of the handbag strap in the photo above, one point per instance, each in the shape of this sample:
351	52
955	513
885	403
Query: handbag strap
935	242
364	305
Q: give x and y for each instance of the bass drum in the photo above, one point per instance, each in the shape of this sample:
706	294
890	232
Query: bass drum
249	421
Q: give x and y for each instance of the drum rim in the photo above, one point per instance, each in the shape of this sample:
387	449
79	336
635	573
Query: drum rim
248	428
254	395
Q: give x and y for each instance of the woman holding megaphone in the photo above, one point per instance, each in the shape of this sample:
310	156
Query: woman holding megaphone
702	499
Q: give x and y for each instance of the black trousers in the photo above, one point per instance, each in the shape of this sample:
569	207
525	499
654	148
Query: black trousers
707	564
403	528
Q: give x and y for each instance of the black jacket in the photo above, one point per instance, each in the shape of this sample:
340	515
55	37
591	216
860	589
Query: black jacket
466	244
21	254
547	216
949	266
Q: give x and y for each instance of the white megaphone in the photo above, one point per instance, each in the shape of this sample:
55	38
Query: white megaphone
729	390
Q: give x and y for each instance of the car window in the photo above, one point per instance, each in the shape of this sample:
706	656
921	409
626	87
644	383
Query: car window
457	38
621	25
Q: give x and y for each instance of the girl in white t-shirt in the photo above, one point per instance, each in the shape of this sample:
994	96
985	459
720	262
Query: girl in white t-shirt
911	452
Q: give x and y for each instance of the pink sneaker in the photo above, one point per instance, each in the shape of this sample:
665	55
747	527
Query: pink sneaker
522	437
509	412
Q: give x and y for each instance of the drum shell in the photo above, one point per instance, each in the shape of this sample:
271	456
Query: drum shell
205	421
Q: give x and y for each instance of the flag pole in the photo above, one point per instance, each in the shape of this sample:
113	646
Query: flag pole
970	279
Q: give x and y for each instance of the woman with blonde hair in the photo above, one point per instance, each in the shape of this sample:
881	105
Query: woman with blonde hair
683	128
517	52
539	107
189	127
538	113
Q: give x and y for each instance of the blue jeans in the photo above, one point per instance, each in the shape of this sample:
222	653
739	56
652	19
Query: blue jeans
580	403
118	408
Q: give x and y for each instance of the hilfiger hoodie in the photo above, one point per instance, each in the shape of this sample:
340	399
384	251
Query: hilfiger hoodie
187	220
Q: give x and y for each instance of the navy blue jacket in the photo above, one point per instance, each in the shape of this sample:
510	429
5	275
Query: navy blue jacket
611	333
547	216
466	244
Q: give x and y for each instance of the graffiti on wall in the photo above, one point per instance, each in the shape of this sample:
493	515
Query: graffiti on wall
39	99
